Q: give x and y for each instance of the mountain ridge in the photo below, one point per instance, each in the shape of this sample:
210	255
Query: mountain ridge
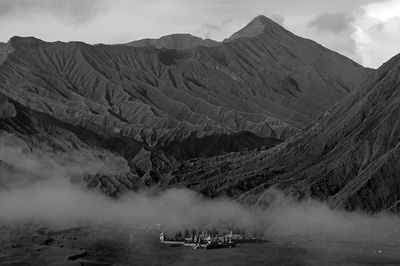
180	41
154	108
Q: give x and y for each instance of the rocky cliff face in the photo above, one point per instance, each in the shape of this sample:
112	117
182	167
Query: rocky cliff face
151	107
349	158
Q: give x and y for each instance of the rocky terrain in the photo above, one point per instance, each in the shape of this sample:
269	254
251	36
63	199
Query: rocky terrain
348	158
149	108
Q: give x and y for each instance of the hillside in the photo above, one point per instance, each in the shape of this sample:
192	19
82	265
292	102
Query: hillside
349	158
153	107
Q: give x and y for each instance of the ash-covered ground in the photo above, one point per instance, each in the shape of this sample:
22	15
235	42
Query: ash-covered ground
94	244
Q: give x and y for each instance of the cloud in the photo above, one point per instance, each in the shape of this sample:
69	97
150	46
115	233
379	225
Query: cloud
368	35
334	22
376	32
218	29
208	30
334	30
53	199
35	186
74	11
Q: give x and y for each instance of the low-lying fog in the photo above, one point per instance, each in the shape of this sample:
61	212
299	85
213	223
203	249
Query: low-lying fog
36	187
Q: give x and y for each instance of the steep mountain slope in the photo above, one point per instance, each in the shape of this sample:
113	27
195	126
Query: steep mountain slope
175	41
153	106
349	158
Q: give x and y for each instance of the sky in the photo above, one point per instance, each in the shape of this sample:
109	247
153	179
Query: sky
364	30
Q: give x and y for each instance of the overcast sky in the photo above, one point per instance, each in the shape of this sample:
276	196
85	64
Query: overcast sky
365	30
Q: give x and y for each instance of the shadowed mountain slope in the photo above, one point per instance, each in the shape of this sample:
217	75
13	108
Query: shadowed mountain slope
349	158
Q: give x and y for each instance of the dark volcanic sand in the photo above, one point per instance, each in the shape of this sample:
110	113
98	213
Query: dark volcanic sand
101	245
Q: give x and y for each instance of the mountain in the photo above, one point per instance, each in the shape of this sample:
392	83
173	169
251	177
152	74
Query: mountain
175	41
348	158
152	108
258	26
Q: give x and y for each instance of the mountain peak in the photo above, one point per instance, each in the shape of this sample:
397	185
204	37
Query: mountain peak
257	26
262	19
